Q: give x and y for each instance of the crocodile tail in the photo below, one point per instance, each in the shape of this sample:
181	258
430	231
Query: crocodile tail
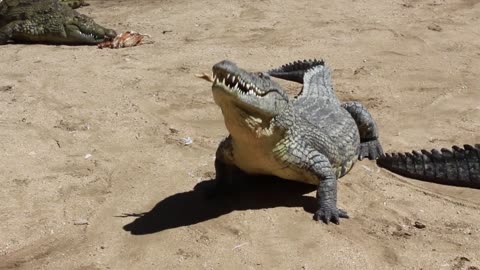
294	71
457	167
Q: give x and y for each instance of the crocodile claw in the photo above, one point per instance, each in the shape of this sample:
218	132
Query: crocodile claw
371	150
327	214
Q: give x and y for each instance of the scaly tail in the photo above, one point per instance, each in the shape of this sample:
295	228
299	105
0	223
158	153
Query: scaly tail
456	167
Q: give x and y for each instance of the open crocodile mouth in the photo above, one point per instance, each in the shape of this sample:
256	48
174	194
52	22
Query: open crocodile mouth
236	83
95	37
75	31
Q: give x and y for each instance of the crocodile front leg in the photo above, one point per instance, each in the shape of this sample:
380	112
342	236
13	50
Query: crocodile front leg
317	168
6	32
370	146
3	38
225	170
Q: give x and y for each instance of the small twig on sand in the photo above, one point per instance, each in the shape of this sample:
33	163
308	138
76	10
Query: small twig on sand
238	246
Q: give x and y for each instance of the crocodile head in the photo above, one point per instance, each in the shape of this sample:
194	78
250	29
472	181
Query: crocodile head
249	100
81	29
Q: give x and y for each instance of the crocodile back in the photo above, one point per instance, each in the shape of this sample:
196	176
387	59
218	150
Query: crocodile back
317	99
332	130
11	10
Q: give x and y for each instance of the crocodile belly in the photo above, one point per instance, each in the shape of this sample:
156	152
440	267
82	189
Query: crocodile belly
268	165
258	159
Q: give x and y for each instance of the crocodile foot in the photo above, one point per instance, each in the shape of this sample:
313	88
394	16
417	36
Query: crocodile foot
3	38
327	214
371	150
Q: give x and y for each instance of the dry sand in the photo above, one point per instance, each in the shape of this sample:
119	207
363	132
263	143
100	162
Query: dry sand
94	174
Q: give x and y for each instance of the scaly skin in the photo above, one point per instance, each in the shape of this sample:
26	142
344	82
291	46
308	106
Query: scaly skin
312	138
49	22
457	167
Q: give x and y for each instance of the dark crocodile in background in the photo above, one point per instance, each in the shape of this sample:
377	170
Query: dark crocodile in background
49	22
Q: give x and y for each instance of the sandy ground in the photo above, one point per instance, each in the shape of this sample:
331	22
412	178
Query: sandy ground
94	174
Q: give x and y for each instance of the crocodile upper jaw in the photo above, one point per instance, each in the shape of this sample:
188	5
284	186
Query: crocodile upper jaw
253	92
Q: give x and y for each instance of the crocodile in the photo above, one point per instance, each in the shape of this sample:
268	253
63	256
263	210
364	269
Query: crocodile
49	22
457	167
311	138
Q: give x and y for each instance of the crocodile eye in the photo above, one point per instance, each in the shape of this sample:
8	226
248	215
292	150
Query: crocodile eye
263	75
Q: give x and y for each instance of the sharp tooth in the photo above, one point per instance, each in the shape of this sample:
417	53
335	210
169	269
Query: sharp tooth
228	75
236	86
233	78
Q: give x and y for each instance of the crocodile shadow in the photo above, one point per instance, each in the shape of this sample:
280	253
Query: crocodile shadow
191	207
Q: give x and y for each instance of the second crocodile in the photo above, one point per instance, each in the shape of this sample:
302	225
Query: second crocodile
48	22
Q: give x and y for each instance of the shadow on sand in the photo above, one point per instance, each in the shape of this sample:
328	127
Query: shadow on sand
187	208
